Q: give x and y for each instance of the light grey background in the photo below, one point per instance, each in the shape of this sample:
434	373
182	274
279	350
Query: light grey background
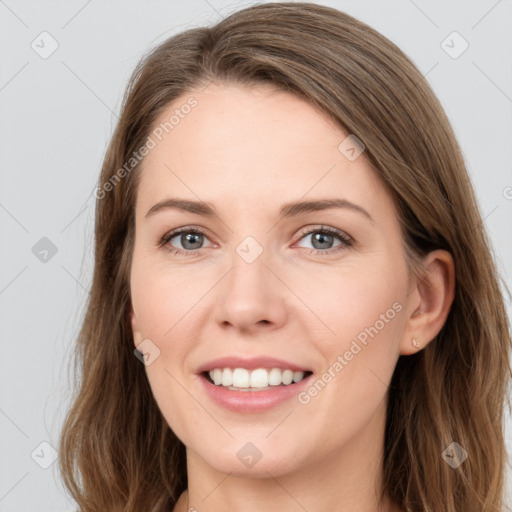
57	114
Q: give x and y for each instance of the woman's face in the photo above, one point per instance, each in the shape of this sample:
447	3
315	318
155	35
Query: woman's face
255	282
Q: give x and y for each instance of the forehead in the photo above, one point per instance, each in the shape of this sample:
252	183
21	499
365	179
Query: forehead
255	145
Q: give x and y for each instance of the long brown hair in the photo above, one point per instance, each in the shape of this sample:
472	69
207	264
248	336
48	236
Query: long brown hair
117	451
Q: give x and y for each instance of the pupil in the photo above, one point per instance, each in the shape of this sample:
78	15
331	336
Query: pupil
321	238
191	238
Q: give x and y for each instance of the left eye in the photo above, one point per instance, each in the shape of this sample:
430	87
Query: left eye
323	238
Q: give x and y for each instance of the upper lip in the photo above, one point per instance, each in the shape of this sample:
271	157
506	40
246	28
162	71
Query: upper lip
250	364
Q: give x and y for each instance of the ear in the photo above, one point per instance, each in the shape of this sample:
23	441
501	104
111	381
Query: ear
137	335
430	301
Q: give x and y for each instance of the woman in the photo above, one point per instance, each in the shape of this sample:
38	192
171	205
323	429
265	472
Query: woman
294	303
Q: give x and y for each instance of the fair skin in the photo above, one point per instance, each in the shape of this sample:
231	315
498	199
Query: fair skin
247	152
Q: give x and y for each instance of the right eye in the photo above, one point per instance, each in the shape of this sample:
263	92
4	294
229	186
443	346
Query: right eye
190	239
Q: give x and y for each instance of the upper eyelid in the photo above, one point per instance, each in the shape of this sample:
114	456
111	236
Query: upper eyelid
303	231
329	229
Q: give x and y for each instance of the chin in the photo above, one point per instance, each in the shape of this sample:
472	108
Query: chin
247	459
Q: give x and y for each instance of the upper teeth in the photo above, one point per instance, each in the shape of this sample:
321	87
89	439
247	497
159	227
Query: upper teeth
259	378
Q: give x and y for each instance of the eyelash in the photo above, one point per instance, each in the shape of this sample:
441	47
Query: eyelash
346	241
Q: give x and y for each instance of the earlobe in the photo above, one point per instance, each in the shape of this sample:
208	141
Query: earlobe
433	298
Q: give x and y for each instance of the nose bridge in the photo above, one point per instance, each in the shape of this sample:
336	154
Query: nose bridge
250	249
250	276
250	293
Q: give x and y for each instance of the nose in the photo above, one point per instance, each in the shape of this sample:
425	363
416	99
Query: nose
250	297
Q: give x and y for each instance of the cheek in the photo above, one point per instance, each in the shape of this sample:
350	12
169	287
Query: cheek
366	313
362	306
165	314
353	297
165	299
370	306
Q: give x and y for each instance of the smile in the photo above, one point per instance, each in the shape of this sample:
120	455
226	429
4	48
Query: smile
259	379
241	397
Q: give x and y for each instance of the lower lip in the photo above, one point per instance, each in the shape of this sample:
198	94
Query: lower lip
252	401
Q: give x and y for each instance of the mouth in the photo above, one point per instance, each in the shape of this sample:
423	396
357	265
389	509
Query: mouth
252	390
255	384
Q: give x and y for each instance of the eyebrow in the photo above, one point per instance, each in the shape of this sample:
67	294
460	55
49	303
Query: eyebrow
291	209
